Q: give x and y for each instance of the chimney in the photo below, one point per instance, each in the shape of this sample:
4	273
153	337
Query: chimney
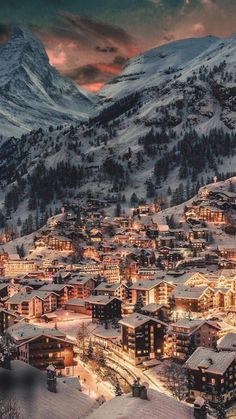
200	408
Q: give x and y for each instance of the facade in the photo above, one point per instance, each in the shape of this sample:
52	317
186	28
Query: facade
114	290
212	374
151	291
83	286
15	267
63	291
105	308
142	337
7	319
192	300
32	304
44	350
184	336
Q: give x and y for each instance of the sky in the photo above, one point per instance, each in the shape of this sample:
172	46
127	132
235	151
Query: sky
91	40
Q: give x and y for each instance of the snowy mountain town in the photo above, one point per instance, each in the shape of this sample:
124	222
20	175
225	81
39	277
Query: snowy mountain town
118	209
142	302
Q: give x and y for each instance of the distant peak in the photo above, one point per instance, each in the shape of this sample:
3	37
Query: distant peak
19	32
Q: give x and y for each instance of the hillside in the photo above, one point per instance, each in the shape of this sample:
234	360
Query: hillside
162	129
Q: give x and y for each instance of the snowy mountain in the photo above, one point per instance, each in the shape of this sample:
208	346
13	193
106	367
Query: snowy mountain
165	125
32	93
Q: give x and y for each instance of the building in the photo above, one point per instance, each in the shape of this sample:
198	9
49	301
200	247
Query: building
158	405
192	301
41	347
77	305
157	311
117	289
83	285
111	271
184	336
152	291
227	342
105	308
142	337
16	266
63	291
7	319
211	374
33	303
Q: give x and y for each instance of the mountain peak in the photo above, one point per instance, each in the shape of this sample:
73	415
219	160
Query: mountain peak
19	32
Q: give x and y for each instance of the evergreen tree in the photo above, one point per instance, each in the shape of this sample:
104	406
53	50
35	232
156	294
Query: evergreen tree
90	350
81	337
139	304
220	408
118	391
100	358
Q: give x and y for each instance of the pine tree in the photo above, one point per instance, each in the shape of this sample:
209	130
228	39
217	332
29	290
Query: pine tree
220	408
139	304
81	337
90	350
118	391
100	358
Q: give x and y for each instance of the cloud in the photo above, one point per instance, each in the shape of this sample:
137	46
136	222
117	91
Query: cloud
86	50
4	32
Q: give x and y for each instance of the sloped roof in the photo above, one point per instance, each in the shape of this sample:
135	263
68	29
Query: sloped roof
67	402
158	406
213	361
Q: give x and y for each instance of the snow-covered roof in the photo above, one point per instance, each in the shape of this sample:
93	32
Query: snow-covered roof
153	307
105	286
212	361
146	284
24	331
101	299
189	292
227	342
135	320
158	406
67	402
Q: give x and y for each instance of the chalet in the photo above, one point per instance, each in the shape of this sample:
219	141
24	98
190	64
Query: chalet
206	213
59	243
16	266
78	305
42	347
64	292
198	244
7	290
25	304
224	298
166	241
7	319
83	285
192	301
227	252
151	291
227	342
157	311
212	374
105	308
111	271
117	289
142	337
33	303
184	336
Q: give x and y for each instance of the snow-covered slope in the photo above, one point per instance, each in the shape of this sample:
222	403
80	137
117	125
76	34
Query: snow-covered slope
193	79
168	119
32	93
